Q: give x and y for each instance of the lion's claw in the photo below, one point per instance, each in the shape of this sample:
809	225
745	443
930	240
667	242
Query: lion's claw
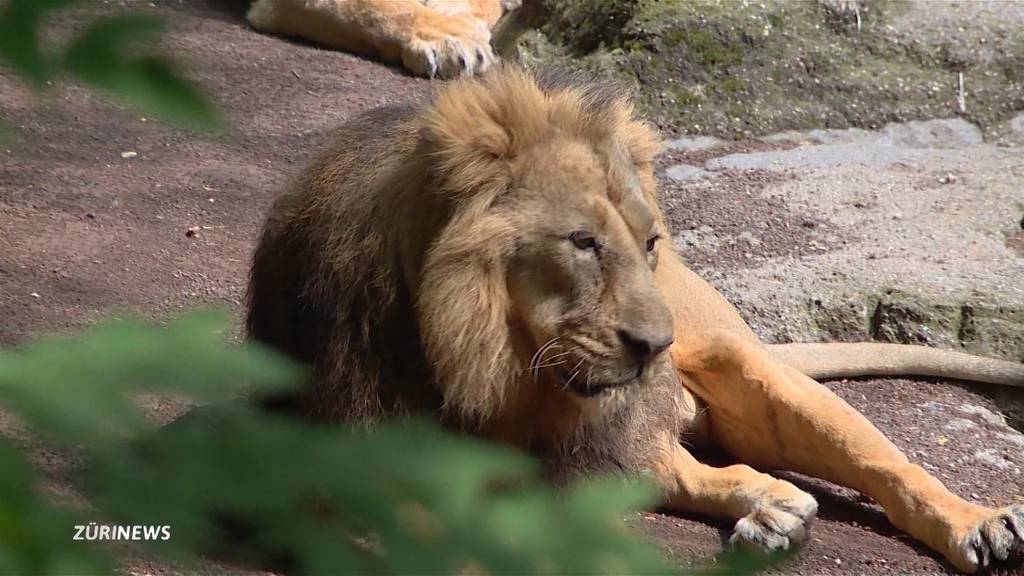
461	47
777	524
992	540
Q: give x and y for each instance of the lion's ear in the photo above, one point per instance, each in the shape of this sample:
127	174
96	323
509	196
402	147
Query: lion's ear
463	307
475	124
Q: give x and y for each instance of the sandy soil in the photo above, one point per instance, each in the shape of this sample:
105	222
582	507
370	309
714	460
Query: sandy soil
85	233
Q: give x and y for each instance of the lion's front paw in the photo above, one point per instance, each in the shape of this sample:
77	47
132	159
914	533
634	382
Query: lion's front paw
779	521
449	46
992	540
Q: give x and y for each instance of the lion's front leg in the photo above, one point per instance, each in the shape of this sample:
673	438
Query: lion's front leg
772	514
774	417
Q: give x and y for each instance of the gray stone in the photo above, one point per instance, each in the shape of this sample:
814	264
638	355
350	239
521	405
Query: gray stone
826	136
908	142
951	133
959	425
1015	128
749	238
703	238
818	156
988	416
686	172
1013	437
993	458
694	143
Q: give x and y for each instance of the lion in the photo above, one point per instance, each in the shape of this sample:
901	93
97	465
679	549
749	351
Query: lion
444	38
498	260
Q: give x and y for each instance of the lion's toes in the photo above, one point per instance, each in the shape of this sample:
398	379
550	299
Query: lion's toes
459	48
992	540
778	523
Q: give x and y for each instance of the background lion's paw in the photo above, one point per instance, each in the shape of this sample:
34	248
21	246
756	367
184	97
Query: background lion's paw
778	523
450	47
992	540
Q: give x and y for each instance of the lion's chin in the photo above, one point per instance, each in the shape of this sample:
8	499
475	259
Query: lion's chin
584	389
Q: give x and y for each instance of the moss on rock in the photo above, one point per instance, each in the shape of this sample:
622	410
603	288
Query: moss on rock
737	68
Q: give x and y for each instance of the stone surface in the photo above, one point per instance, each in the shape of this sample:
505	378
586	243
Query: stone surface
898	143
684	172
1015	127
941	133
693	143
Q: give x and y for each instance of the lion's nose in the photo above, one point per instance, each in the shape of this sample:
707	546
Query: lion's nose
643	347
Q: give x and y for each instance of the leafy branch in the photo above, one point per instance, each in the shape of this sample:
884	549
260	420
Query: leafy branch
106	55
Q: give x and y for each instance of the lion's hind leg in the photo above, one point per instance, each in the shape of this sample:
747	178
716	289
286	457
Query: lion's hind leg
774	417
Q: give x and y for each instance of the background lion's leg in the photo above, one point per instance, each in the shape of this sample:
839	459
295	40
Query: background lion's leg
489	11
772	513
773	416
428	42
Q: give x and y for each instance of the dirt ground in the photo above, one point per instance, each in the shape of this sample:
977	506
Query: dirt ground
86	233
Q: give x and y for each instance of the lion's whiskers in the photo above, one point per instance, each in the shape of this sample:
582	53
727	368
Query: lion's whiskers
540	350
550	364
538	357
552	358
575	372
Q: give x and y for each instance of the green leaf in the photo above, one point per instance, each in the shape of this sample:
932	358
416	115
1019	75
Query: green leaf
36	537
7	133
739	562
107	55
612	496
78	390
19	37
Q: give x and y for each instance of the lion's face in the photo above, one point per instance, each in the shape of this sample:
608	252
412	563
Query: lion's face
544	260
581	277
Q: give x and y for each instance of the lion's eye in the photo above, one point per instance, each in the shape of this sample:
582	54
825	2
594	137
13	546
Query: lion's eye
584	240
652	241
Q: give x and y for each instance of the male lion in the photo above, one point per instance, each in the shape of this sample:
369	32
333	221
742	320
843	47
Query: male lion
498	259
445	38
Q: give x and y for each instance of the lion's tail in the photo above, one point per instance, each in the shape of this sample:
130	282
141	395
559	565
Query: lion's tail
844	360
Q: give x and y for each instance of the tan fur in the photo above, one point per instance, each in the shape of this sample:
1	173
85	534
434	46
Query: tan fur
485	259
443	38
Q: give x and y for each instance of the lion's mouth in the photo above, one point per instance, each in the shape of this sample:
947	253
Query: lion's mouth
589	389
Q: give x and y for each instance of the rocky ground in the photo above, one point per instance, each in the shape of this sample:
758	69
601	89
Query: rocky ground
909	234
912	232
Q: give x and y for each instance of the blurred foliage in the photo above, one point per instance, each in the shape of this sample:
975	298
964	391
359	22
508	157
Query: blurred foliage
74	390
111	53
35	534
272	491
77	393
